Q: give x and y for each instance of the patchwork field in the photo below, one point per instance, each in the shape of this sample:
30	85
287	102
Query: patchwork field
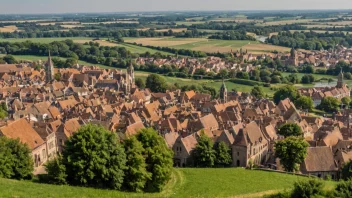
188	182
208	45
10	28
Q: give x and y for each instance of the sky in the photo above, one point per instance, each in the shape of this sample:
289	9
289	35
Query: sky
79	6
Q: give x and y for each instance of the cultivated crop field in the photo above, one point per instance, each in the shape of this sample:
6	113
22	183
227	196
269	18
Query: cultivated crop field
10	28
208	45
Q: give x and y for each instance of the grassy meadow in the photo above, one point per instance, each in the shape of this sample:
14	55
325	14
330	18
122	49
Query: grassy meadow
208	45
188	182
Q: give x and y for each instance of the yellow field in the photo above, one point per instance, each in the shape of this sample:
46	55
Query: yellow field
164	42
340	23
320	26
10	28
173	29
71	26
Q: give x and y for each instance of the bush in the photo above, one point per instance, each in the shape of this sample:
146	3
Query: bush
15	159
94	157
158	158
307	189
56	171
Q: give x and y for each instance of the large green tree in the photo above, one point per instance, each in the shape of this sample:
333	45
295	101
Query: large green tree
290	129
156	83
305	102
158	158
94	157
204	154
223	155
136	174
289	91
140	83
329	104
15	159
56	171
291	151
258	92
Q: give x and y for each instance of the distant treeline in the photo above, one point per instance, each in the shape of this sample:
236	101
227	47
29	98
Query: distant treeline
311	40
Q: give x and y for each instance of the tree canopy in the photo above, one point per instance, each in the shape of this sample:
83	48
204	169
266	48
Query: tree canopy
158	158
329	104
291	151
94	157
290	129
289	91
204	154
156	83
258	92
15	159
304	102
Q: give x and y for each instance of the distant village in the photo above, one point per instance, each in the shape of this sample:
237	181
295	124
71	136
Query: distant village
44	112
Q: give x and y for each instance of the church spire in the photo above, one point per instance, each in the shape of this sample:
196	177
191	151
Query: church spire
223	92
49	69
340	82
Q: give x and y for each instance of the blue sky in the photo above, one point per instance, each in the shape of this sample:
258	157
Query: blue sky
77	6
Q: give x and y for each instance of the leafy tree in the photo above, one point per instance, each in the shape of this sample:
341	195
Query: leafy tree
57	76
347	171
158	158
15	159
329	104
156	83
56	171
290	129
291	151
94	157
307	189
308	79
10	59
258	92
305	102
348	75
140	83
286	92
223	155
3	111
345	100
204	154
136	174
343	189
223	74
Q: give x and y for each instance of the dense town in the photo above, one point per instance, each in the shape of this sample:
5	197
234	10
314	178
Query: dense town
44	111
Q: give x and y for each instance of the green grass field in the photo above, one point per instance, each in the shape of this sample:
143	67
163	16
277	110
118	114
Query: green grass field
45	40
222	182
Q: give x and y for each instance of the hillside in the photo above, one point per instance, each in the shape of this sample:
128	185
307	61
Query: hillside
225	182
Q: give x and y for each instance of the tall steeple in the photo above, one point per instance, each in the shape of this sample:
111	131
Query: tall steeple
223	92
129	78
49	69
340	83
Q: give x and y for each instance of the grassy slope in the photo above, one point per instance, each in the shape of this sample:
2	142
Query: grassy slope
226	182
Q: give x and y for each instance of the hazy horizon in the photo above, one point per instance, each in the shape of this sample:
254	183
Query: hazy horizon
102	6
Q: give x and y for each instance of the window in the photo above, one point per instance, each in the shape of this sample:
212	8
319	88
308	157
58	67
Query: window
238	153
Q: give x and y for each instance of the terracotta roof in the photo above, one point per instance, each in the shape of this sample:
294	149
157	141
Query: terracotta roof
134	128
189	143
23	130
171	138
319	159
209	122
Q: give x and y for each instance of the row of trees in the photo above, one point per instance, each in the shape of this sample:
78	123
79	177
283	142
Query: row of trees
311	40
94	157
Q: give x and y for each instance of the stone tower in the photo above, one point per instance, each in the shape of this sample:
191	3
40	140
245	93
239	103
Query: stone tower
223	92
49	70
340	83
129	79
